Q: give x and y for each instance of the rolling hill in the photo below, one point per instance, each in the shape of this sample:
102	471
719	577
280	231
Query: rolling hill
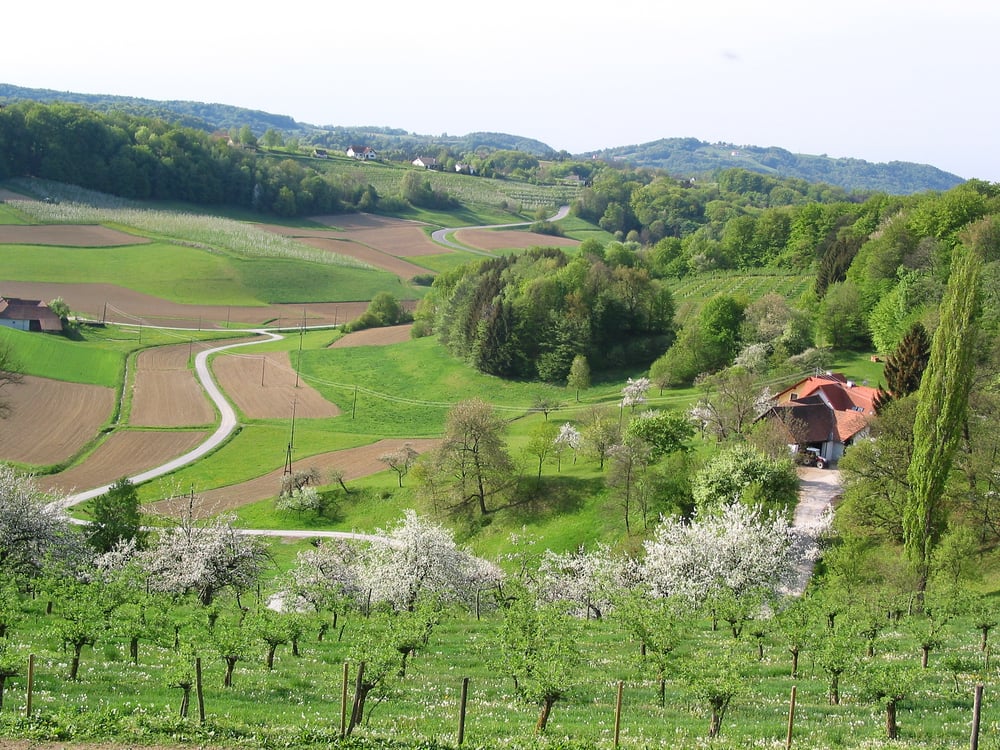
681	157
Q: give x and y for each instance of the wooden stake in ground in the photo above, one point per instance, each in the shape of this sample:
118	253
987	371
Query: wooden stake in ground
791	719
977	708
618	711
199	691
31	684
343	700
463	702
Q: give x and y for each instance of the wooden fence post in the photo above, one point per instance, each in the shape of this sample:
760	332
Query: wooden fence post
199	690
31	684
977	708
791	719
343	701
618	711
463	702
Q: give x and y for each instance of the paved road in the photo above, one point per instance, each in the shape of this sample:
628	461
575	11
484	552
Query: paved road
441	235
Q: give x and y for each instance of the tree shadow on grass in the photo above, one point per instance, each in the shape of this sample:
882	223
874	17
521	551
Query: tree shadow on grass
536	500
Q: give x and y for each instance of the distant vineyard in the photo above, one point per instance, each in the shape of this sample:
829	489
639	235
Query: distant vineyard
691	292
387	180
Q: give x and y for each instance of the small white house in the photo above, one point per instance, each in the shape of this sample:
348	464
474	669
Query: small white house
361	152
427	162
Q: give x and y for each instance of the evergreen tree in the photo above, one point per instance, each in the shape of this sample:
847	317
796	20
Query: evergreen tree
941	409
906	365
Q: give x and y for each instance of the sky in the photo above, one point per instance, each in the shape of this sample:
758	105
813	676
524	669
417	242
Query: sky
879	80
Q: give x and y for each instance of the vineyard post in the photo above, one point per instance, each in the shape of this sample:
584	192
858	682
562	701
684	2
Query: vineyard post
791	719
463	702
977	707
618	711
343	701
31	684
199	690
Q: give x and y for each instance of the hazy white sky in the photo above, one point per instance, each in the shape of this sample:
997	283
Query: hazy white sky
881	80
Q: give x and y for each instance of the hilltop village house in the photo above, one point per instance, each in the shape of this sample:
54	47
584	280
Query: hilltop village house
827	412
361	152
28	315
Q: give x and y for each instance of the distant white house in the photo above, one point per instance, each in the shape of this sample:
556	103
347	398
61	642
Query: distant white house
464	168
427	162
361	152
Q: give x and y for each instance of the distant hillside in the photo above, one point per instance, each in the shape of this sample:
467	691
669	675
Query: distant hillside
681	157
691	157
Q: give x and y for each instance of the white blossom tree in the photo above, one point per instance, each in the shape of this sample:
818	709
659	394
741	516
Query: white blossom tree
34	529
587	580
737	550
421	558
634	392
204	559
567	437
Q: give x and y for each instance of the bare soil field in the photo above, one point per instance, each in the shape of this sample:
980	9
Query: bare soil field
379	241
375	337
368	254
263	387
166	392
507	239
124	453
51	420
67	235
401	237
116	304
354	462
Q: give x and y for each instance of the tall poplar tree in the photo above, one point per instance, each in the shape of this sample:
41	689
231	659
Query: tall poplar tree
941	409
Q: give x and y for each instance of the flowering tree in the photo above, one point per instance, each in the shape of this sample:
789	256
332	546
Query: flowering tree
420	558
737	549
730	401
34	530
204	559
588	581
568	437
634	392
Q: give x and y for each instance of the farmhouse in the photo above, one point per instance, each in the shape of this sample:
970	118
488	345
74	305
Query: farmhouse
427	162
361	152
827	412
28	315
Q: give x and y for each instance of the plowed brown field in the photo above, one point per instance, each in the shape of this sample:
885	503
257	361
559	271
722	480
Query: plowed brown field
263	387
120	305
51	420
375	337
123	454
354	462
67	235
166	392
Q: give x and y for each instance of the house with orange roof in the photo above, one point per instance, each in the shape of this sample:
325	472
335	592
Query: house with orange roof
826	412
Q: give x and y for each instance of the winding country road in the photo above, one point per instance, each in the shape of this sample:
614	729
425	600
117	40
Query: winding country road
227	420
441	235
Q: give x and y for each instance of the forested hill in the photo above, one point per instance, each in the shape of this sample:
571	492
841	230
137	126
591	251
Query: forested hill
681	157
689	156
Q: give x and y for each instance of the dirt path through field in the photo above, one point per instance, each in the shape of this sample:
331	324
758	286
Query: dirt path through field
818	489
